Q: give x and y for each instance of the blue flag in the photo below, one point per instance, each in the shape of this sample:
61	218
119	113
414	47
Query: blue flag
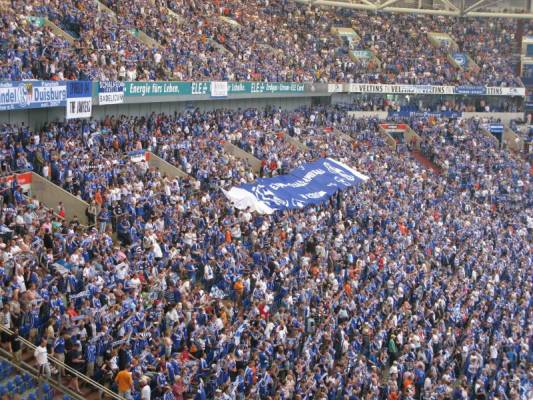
311	183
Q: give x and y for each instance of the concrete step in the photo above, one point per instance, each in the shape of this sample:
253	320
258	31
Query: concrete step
422	159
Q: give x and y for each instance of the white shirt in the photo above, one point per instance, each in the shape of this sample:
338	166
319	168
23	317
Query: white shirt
41	355
146	392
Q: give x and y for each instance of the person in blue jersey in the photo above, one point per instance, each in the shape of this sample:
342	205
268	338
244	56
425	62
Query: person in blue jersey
59	350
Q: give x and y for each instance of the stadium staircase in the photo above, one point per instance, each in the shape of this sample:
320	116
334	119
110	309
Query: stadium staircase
58	31
103	8
165	167
176	17
342	135
440	39
22	378
231	22
239	153
391	142
414	140
512	141
295	142
136	33
352	37
424	161
15	380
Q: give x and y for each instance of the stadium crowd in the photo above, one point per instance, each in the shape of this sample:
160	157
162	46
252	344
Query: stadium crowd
259	40
414	285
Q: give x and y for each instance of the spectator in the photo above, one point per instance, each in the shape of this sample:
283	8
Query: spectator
124	382
41	357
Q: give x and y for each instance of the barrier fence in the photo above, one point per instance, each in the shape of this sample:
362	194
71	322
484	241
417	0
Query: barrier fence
57	365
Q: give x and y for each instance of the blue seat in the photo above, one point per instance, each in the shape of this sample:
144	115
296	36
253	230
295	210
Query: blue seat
11	387
66	397
26	386
32	396
47	392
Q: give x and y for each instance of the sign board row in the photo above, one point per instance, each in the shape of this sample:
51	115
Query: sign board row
426	89
77	96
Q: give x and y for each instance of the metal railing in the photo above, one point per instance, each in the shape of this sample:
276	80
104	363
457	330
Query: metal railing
24	367
60	366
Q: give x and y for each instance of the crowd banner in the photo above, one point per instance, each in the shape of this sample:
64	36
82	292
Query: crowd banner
14	95
169	88
79	99
24	180
461	59
335	88
156	88
394	127
265	87
110	92
435	90
506	91
138	156
496	130
361	53
399	89
475	90
219	89
32	94
425	114
17	95
311	183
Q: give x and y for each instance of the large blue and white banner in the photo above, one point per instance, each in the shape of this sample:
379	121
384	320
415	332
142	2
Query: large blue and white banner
311	183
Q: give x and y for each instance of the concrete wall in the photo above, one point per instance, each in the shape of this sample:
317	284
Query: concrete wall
50	195
34	118
165	167
243	155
